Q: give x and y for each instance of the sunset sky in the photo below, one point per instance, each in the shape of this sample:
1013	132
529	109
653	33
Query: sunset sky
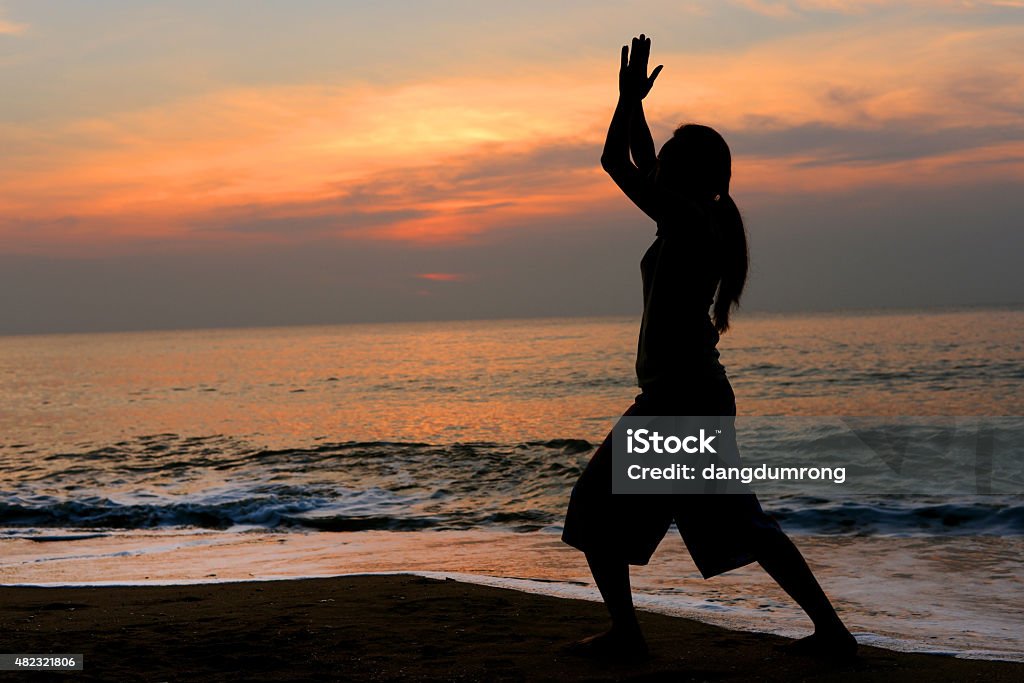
179	164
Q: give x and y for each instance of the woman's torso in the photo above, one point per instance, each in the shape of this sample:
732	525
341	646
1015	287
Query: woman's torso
680	271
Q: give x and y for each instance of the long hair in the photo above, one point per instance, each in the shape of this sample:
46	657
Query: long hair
696	160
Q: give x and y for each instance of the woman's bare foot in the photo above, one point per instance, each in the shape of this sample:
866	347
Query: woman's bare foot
623	644
836	646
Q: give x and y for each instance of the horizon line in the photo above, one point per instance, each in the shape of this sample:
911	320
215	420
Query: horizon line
842	310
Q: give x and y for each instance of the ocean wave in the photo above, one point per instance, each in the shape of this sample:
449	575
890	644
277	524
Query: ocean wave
894	518
216	482
907	517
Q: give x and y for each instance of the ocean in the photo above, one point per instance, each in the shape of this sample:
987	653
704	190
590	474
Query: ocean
193	455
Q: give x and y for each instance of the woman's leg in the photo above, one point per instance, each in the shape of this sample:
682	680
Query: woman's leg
594	521
777	554
612	579
624	639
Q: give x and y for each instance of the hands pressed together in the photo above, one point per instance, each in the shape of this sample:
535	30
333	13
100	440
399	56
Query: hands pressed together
629	156
634	83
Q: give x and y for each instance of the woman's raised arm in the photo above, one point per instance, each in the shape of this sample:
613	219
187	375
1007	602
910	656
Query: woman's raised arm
628	123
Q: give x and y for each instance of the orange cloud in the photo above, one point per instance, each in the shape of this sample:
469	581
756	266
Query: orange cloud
10	28
451	159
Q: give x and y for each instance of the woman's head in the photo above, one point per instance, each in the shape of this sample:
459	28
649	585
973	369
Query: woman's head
696	163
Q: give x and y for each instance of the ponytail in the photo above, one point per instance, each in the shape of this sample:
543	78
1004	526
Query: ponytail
697	161
734	258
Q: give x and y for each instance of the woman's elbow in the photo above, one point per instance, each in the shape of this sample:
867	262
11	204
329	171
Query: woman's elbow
611	165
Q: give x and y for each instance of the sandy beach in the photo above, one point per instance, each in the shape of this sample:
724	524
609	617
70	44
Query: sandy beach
398	627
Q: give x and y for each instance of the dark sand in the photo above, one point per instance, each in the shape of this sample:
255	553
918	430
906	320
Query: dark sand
396	627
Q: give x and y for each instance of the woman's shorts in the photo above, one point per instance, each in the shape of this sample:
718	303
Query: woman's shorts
720	530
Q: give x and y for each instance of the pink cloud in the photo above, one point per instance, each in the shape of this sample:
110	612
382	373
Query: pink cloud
442	277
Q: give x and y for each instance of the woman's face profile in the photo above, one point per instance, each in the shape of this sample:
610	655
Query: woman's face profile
669	175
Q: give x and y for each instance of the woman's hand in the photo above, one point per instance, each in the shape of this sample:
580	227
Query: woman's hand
634	83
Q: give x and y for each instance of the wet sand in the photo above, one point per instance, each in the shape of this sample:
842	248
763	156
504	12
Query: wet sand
397	627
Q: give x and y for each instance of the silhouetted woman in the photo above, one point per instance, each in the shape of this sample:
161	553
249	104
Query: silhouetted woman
697	263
